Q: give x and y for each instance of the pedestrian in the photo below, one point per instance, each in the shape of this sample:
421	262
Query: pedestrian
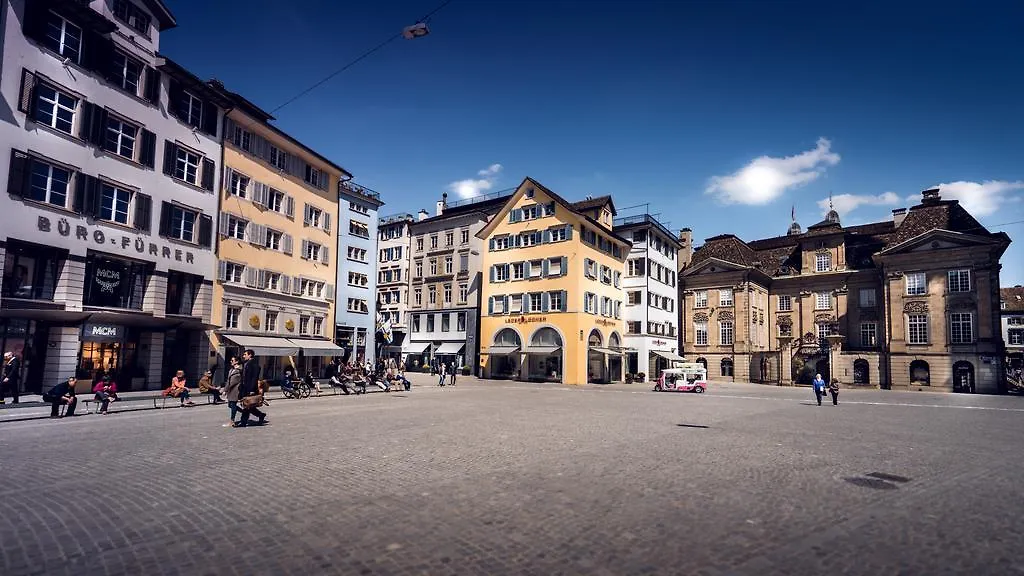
452	375
105	392
63	393
834	389
179	389
206	386
11	379
442	373
231	389
249	391
819	387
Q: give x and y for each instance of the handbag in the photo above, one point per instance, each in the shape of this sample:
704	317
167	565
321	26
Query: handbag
250	402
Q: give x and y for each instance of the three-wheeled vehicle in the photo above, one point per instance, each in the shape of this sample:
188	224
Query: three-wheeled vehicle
687	377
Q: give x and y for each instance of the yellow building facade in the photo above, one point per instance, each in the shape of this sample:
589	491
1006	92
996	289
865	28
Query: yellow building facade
551	296
277	234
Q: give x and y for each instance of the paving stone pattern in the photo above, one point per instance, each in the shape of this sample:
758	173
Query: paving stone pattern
510	478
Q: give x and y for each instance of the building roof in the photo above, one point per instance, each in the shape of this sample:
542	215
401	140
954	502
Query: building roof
591	203
485	207
1014	299
165	20
641	220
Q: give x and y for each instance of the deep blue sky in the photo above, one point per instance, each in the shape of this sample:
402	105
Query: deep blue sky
648	101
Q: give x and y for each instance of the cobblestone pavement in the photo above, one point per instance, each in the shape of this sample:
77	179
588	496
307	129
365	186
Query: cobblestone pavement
512	478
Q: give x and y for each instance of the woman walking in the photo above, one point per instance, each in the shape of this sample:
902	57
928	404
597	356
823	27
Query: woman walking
231	389
442	372
819	387
834	389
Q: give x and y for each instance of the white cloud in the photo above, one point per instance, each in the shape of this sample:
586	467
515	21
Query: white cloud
476	186
764	179
846	203
981	199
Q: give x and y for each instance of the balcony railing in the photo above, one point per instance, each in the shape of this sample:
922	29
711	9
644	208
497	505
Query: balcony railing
352	187
403	217
482	198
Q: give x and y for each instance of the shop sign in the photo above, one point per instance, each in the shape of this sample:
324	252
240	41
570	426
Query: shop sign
525	319
603	322
660	343
125	242
102	332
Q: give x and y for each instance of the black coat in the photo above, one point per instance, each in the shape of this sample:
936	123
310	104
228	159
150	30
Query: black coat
250	379
12	371
58	391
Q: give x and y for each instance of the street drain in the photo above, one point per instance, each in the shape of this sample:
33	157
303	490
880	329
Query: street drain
873	483
691	425
889	477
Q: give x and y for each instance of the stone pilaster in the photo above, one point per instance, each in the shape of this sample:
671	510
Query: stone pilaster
151	358
70	289
62	357
203	306
155	300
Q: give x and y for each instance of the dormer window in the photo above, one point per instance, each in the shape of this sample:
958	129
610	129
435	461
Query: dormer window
822	262
132	16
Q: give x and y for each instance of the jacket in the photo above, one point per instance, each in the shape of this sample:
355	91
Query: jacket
11	371
250	379
819	385
205	385
231	388
98	388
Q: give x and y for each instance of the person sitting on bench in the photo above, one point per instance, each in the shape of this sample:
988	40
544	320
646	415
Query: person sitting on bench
206	386
63	393
105	392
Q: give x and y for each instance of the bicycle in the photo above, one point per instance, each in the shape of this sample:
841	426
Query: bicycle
296	389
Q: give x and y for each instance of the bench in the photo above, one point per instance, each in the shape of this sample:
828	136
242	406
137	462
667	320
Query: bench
163	399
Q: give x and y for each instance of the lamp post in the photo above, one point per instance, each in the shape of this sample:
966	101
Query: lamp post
785	362
835	341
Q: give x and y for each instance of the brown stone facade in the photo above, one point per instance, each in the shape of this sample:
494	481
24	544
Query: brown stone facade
911	303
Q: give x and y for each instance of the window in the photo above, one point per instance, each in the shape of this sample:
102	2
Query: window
446	323
318	326
536	302
433	241
129	71
278	158
49	184
555	266
433	266
498	304
917	328
55	108
1015	337
415	322
916	284
634	297
114	203
272	281
500	272
192	109
700	299
231	316
242	138
120	138
357	305
447	264
311	288
464	263
357	254
555	300
589	268
432	295
239	184
868	334
824	331
606	275
186	166
419	244
314	218
590	303
419	268
636	267
123	282
236	228
725	297
447	293
529	193
785	303
822	300
358	280
430	322
961	328
500	243
518	270
394	233
417	295
273	240
463	292
354	228
183	223
725	332
822	262
449	238
271	324
275	201
313	176
303	324
559	234
63	37
182	290
131	15
867	298
959	280
785	330
313	251
233	272
465	237
460	322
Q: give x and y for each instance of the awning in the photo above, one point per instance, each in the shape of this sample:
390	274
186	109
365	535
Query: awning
450	348
496	350
604	350
318	347
542	349
264	345
415	347
670	356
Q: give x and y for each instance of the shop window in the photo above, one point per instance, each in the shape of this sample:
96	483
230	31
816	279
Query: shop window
31	271
182	290
114	283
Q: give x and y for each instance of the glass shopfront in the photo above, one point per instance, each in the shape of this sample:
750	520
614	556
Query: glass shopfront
109	347
31	271
115	283
27	339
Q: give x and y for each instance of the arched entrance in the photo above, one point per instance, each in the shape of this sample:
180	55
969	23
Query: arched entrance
963	377
703	362
727	368
595	358
861	372
920	374
615	360
544	355
503	358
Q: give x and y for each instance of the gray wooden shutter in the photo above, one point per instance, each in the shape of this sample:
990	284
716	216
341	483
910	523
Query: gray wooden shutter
526	269
545	301
565	299
490	305
286	244
305	245
305	214
222	270
297	285
325	254
223	223
327	222
226	181
261	279
289	206
329	292
285	284
568	232
250	276
544	267
565	264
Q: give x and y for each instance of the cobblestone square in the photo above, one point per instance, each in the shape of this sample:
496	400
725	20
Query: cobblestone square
514	478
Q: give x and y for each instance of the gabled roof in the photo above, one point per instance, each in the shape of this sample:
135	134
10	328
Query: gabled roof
943	215
1014	298
725	247
485	208
591	203
165	20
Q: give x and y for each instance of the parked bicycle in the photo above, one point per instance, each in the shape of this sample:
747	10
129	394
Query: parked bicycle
296	389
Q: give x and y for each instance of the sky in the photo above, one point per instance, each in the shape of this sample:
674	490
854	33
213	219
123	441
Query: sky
720	116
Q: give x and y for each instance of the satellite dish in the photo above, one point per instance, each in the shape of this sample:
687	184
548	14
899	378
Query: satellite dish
415	31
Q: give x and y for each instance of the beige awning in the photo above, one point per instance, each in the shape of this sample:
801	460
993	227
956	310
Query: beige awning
670	356
542	349
604	350
264	345
497	350
315	347
450	348
415	347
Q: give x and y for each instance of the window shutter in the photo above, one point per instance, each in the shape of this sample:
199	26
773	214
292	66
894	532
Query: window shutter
289	206
504	301
544	267
152	85
547	236
493	276
261	279
175	95
545	302
205	230
85	114
286	244
143	212
209	118
284	284
18	178
305	245
34	20
296	286
166	208
565	264
526	269
250	277
327	222
490	245
223	224
147	152
568	232
170	155
305	214
98	125
27	96
329	292
90	196
490	305
98	53
225	181
222	270
565	298
325	254
258	234
518	241
208	172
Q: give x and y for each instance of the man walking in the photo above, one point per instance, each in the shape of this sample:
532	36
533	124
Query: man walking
819	387
452	373
250	386
10	381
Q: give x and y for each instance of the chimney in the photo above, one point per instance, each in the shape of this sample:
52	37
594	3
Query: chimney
686	252
898	215
423	215
930	196
442	204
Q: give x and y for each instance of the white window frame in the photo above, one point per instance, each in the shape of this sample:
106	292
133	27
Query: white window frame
961	327
236	227
122	136
822	262
123	61
785	303
273	239
958	280
726	332
193	107
119	196
822	300
312	251
187	165
239	185
916	283
536	302
234	272
232	314
869	334
270	324
181	228
275	201
463	292
700	299
725	297
917	329
61	102
63	37
48	189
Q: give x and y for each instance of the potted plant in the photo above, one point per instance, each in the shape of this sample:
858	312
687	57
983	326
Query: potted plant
629	378
465	370
641	377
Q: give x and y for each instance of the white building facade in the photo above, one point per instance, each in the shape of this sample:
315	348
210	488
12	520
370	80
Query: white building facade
107	235
651	305
393	242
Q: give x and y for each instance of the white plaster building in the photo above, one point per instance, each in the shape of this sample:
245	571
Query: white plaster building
393	243
649	281
110	159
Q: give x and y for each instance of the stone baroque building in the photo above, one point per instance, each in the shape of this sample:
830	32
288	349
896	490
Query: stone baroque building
908	303
393	244
356	312
112	156
444	282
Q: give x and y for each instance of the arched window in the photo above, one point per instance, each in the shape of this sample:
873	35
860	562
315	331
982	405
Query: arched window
920	375
507	337
861	372
963	377
595	338
546	337
726	366
614	341
703	362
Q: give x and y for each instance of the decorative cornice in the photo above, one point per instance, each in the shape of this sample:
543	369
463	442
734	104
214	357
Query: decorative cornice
784	320
824	317
700	317
726	315
915	307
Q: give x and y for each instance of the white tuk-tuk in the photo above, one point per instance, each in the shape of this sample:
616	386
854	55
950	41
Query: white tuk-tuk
687	377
